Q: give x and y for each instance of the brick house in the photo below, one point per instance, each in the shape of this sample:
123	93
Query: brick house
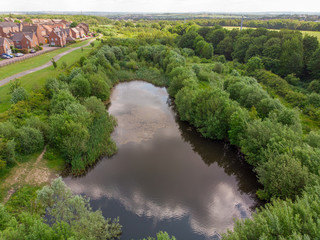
75	33
85	27
5	45
37	30
23	40
47	29
57	38
7	28
82	34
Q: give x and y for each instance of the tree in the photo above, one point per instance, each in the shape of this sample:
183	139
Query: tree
240	48
225	47
73	24
80	86
314	86
29	140
310	45
254	63
75	212
187	39
204	49
60	101
19	94
291	59
283	177
99	87
314	64
161	236
54	64
215	37
14	85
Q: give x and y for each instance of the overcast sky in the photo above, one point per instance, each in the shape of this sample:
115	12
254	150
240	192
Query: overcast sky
162	5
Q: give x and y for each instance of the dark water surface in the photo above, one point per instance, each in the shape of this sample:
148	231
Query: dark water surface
165	176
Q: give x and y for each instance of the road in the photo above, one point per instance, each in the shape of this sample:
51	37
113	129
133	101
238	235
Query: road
56	58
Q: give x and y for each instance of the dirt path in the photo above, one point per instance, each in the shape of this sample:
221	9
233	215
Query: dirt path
33	173
56	58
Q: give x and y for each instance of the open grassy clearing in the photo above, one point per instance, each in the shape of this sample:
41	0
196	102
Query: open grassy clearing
33	62
37	79
35	170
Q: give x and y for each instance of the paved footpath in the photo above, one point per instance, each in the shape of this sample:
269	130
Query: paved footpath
56	58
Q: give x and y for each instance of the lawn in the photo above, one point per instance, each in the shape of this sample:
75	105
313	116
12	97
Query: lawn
15	68
37	79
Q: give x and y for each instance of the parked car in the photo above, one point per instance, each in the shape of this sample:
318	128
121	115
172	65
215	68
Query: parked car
4	56
19	54
32	51
8	55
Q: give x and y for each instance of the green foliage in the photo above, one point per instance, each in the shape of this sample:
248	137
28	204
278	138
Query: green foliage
291	57
314	64
67	216
283	177
62	207
60	101
63	65
14	85
80	86
282	220
204	49
29	140
314	86
73	24
254	63
23	200
161	236
19	94
54	63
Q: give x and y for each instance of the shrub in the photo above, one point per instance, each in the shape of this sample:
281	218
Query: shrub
19	94
29	140
80	86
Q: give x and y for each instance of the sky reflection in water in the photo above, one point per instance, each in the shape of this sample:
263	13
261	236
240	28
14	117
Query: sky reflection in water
165	176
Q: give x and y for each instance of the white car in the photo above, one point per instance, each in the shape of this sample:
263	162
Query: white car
19	54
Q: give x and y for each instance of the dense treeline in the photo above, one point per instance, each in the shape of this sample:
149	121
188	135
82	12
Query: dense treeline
270	23
282	52
92	20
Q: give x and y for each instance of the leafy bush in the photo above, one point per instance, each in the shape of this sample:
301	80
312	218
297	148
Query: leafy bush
29	140
19	94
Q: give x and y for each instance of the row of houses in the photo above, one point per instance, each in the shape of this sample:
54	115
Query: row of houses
27	36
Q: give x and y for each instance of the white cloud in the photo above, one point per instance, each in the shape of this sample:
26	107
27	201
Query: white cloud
161	6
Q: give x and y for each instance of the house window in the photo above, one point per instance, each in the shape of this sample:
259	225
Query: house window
51	39
56	39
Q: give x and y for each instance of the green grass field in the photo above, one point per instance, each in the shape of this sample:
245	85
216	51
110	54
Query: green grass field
38	79
35	61
311	33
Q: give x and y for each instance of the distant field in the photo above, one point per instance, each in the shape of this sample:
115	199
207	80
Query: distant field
311	33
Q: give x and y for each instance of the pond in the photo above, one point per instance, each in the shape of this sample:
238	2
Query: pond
165	176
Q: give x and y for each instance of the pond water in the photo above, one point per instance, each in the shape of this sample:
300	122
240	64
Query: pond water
165	176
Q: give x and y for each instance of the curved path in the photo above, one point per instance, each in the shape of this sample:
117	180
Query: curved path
56	58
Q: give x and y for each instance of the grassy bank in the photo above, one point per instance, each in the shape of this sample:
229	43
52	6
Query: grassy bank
33	62
37	79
